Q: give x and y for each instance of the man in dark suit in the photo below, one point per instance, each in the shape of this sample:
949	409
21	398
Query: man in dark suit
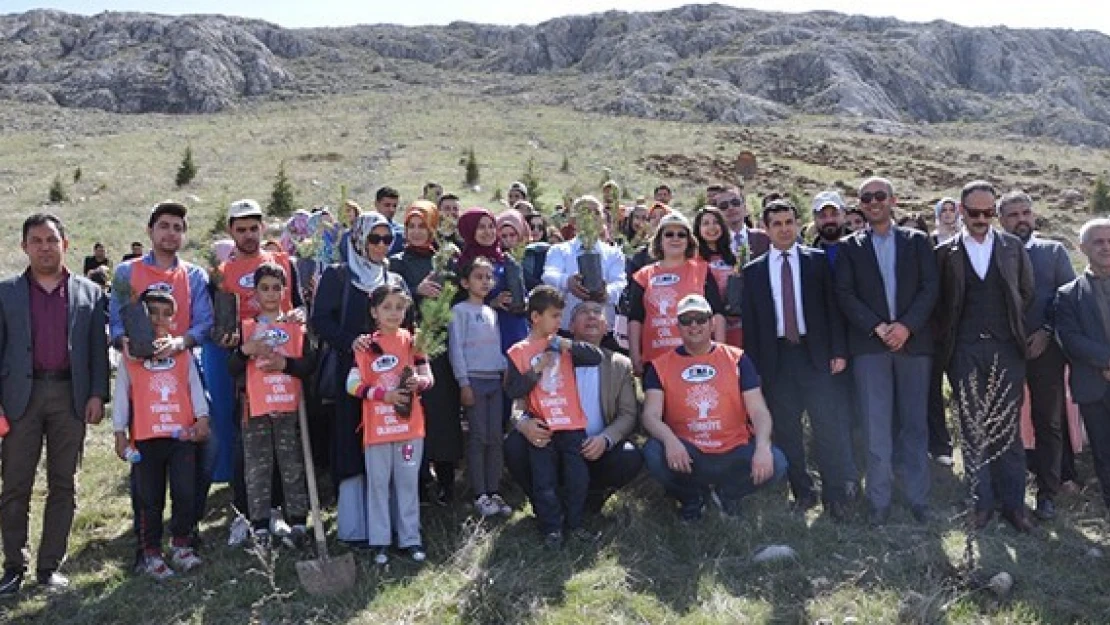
986	285
1044	371
731	203
796	340
1083	327
886	285
54	364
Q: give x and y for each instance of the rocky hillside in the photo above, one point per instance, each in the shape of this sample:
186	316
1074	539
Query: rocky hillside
703	62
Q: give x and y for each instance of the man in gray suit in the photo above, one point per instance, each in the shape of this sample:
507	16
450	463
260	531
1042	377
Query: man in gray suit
1044	371
54	367
1083	327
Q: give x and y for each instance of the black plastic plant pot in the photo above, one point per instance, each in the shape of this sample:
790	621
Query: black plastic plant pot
139	330
589	267
514	276
734	295
226	308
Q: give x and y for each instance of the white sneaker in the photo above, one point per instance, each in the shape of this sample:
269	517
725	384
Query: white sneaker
499	504
185	559
278	527
154	566
485	506
238	531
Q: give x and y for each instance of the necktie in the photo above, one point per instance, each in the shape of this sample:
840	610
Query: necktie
789	310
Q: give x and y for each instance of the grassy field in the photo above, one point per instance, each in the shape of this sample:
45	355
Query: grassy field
646	568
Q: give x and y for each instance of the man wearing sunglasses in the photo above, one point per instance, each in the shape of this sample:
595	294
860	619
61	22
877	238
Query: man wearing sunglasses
731	202
797	341
886	285
986	285
708	422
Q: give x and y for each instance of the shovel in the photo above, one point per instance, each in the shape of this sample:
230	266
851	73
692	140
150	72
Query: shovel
324	575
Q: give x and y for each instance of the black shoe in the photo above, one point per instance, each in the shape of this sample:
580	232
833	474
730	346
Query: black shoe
879	516
52	580
804	503
922	514
690	511
10	583
838	510
1046	509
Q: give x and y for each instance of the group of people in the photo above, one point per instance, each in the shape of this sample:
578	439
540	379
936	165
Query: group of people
712	337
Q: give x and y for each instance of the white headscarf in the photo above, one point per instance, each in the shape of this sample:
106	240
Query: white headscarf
365	275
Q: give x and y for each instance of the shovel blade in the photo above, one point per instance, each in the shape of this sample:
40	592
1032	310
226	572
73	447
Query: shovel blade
327	576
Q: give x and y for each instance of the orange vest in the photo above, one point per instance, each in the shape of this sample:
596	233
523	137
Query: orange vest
160	400
554	400
702	401
275	392
663	289
238	276
380	423
173	281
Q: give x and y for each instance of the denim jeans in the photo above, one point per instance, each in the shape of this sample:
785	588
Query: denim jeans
729	472
563	452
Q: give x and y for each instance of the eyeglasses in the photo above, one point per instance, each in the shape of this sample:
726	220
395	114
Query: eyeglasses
878	196
674	234
979	213
694	319
379	239
733	202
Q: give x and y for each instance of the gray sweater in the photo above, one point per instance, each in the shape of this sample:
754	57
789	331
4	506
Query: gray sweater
475	343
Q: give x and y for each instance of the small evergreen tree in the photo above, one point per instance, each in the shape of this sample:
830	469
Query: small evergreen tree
188	169
77	175
58	191
282	199
565	167
498	195
473	172
1100	197
531	179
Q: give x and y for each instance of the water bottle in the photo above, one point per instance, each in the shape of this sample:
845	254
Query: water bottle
132	455
184	434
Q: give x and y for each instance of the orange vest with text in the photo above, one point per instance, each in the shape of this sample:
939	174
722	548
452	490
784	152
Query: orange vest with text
160	400
238	276
702	401
273	392
173	281
663	289
380	422
554	399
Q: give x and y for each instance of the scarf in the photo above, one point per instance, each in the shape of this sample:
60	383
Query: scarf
426	211
514	220
365	275
468	226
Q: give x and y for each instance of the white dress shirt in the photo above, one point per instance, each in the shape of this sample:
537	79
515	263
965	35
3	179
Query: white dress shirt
588	380
979	253
776	258
562	263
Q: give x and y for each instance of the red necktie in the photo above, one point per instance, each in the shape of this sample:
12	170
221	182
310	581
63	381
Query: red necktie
789	309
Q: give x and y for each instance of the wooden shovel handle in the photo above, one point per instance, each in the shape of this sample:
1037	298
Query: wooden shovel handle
310	475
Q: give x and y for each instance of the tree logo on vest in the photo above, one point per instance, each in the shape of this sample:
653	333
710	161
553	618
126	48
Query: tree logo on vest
663	298
550	380
159	364
703	398
163	384
161	287
247	281
384	363
665	279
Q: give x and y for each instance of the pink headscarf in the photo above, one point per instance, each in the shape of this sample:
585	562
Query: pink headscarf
515	220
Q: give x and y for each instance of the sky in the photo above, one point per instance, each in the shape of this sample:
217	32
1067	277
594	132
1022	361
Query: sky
1078	14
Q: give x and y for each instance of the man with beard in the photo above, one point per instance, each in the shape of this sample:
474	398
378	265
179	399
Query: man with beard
986	287
828	217
1044	368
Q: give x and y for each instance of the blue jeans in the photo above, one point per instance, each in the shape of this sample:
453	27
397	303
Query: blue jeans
730	472
563	452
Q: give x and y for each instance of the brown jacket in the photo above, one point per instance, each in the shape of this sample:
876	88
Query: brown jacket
619	405
1013	264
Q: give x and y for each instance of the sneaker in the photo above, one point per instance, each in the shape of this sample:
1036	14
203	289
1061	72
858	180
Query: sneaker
944	460
10	583
260	539
278	527
1046	509
417	553
553	540
184	559
485	507
499	504
52	580
297	538
239	530
381	555
154	566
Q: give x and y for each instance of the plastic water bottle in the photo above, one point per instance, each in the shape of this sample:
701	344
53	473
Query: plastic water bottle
132	455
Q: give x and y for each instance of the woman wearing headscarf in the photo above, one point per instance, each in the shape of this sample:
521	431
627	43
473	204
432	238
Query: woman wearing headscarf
948	220
341	318
478	229
443	442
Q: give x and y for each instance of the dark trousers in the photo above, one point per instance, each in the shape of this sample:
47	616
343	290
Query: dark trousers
1045	376
940	441
165	458
1003	478
798	386
49	417
730	472
612	471
1096	417
562	457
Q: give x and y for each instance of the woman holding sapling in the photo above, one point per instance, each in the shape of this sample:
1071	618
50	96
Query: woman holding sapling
713	248
341	319
478	230
655	290
423	265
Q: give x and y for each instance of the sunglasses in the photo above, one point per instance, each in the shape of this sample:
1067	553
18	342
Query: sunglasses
733	202
694	319
979	213
379	239
674	234
878	196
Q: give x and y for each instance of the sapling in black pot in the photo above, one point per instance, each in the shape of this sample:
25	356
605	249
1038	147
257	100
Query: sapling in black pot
588	230
136	322
225	305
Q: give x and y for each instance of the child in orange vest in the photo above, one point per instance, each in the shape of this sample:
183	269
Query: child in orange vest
160	409
541	372
393	442
269	367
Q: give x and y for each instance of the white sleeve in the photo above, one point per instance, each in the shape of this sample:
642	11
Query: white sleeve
554	268
196	390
